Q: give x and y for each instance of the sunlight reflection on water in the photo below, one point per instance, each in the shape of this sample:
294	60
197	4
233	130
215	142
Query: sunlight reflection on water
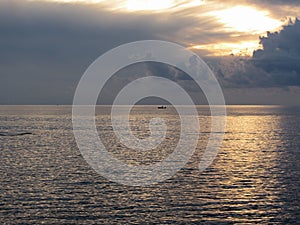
254	179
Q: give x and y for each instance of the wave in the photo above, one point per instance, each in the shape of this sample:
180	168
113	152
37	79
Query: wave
14	134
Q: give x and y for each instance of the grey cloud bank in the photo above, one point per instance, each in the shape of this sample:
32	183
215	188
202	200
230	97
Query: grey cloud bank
280	56
46	47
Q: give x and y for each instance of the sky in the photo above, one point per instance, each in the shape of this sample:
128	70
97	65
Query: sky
252	46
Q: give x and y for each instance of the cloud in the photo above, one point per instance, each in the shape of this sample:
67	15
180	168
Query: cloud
277	64
266	3
279	9
238	72
280	56
46	47
279	2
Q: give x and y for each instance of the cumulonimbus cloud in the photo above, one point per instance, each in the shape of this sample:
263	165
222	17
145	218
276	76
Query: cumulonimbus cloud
280	55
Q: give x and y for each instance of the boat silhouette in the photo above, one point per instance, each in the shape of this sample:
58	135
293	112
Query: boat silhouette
162	107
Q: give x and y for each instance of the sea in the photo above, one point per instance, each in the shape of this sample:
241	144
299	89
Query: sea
254	179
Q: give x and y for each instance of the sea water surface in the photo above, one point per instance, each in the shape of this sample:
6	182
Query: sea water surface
255	178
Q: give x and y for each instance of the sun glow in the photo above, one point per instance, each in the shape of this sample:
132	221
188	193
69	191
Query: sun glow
246	19
245	48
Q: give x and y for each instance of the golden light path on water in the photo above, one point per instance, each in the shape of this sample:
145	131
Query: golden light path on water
253	180
255	140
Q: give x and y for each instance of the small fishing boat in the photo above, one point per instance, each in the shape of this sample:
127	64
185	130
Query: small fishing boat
162	107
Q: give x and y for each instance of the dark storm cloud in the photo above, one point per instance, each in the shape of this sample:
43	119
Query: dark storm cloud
280	56
277	64
45	47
